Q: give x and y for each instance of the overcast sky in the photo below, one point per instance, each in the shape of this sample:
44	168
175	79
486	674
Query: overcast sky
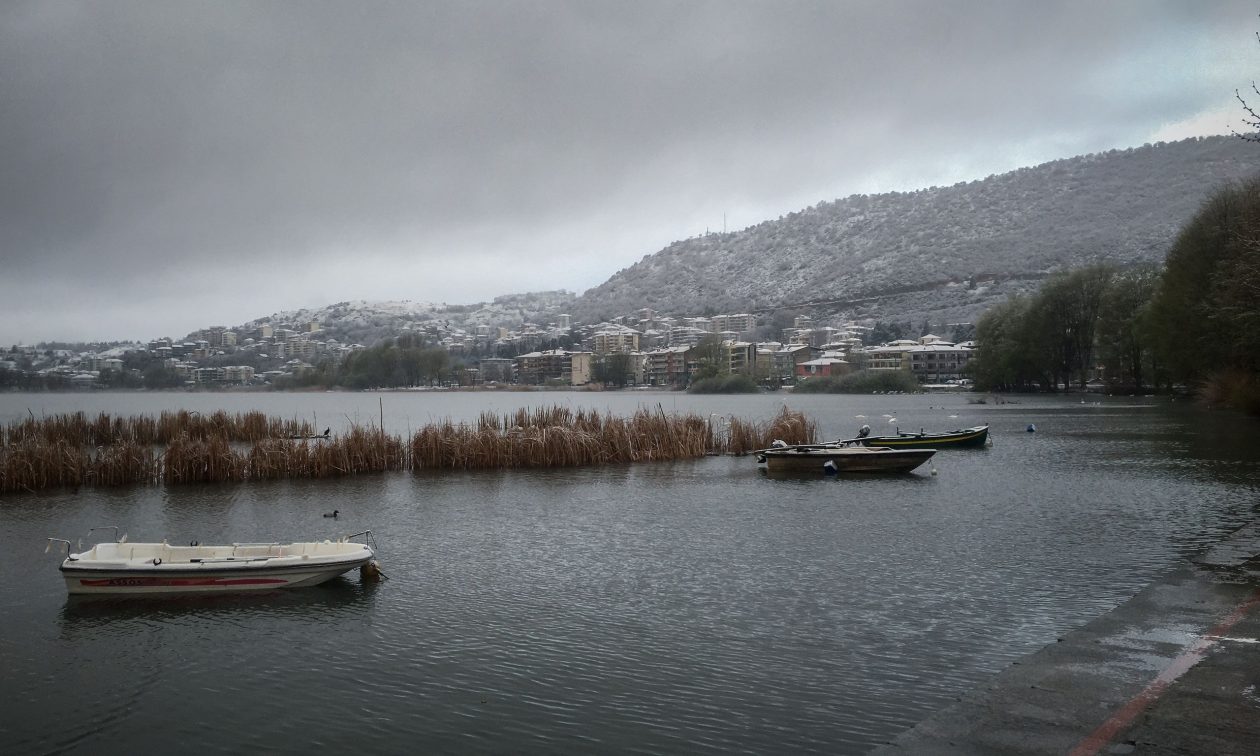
170	165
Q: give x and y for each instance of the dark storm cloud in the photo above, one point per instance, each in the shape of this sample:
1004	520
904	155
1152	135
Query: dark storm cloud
210	148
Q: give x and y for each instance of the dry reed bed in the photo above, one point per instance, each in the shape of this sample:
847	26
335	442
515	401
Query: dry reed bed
642	438
39	465
42	456
361	450
78	429
560	437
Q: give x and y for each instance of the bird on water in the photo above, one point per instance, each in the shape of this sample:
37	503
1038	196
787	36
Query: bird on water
332	513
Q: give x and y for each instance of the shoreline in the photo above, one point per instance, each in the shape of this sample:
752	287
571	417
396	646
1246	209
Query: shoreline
1171	670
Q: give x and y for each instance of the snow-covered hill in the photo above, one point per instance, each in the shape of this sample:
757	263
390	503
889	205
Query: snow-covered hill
948	251
944	253
366	322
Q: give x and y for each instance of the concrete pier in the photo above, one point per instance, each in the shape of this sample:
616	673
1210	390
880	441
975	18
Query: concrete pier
1175	670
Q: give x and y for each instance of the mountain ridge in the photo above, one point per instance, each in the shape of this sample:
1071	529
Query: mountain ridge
1119	206
940	253
365	321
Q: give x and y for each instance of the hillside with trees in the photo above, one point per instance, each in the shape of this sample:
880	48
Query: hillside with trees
1194	325
947	253
367	323
1204	321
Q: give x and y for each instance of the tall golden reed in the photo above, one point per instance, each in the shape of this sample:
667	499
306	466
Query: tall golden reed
73	450
103	430
560	437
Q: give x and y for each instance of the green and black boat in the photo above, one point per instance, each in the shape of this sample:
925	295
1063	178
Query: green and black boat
964	438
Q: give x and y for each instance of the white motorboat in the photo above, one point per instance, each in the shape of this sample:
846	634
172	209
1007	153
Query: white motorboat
162	568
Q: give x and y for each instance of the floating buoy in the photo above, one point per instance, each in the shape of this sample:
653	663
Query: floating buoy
1032	428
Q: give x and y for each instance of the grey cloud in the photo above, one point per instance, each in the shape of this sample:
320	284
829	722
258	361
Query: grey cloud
147	140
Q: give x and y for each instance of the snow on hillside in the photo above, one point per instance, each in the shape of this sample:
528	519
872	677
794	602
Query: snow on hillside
363	321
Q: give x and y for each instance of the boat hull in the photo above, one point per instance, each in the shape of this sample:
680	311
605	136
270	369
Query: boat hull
967	438
845	460
177	573
136	581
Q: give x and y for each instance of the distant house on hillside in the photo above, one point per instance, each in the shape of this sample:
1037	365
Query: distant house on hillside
612	339
495	370
938	361
891	356
828	365
785	362
670	366
539	368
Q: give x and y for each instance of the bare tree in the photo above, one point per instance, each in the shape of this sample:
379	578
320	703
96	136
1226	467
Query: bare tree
1250	119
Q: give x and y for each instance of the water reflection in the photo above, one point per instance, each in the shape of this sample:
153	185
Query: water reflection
327	603
807	477
689	606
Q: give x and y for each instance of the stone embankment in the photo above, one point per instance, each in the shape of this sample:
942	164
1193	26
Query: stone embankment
1175	670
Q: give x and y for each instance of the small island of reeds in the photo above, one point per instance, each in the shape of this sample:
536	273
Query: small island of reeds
73	450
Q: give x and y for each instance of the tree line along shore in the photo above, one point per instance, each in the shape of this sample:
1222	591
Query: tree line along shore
74	450
1193	324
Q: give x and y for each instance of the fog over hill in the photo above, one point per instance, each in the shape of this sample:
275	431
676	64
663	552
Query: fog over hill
941	253
946	253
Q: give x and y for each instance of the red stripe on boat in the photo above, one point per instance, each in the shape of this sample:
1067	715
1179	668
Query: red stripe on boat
175	582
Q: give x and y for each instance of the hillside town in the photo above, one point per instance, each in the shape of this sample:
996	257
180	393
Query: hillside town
640	350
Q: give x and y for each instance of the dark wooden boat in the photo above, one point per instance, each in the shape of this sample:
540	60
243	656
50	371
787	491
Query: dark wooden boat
956	439
834	458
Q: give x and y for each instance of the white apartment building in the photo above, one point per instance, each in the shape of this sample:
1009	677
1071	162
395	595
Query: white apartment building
613	339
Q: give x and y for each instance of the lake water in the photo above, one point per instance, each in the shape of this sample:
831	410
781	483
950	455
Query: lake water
691	607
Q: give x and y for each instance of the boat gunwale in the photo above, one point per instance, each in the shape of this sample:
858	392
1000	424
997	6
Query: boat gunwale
179	569
960	437
74	564
841	449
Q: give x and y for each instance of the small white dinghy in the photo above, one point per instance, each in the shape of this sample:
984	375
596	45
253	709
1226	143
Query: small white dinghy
161	568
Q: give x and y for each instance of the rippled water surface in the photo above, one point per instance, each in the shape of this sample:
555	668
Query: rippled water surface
657	608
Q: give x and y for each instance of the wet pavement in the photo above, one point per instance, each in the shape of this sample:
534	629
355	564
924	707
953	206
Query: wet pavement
1175	670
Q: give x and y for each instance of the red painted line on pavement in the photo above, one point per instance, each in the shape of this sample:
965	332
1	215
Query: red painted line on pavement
1191	656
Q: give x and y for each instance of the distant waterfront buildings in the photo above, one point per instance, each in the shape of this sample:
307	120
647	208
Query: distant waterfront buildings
644	348
554	366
